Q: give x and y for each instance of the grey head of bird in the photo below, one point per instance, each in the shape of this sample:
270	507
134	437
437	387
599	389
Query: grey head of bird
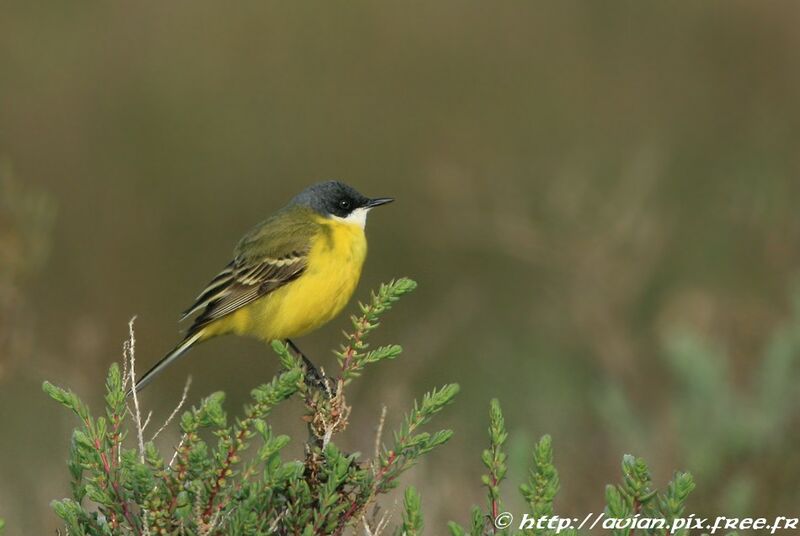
336	199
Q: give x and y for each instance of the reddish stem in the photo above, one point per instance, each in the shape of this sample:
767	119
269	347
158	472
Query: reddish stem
183	465
115	486
637	507
355	507
223	470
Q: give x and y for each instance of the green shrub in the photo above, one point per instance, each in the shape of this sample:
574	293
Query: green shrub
225	487
634	496
205	488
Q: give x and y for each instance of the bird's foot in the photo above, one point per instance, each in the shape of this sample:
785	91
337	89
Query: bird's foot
314	377
317	379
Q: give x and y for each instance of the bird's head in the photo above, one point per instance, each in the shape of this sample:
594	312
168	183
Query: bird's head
336	199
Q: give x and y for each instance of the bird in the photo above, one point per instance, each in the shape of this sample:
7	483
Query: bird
290	274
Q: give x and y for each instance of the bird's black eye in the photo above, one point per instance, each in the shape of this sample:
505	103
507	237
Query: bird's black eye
345	204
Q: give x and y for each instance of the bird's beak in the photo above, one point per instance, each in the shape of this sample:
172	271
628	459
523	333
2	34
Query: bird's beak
378	201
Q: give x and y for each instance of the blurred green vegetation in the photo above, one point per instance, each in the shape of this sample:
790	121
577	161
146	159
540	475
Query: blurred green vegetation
579	187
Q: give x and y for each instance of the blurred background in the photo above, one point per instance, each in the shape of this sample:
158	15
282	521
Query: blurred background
598	200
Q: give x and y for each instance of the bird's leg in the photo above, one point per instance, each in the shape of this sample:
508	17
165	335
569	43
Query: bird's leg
327	414
314	378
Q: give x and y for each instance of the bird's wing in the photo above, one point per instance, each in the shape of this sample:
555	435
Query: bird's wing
268	257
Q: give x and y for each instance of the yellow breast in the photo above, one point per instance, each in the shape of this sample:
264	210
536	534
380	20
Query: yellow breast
334	267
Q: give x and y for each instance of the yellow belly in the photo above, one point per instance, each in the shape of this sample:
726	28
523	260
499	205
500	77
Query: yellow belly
313	299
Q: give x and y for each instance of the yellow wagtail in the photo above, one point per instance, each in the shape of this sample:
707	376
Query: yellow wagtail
290	274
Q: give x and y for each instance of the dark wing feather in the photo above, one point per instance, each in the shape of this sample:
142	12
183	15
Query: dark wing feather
269	256
212	290
243	281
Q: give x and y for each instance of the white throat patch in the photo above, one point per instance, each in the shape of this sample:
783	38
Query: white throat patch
357	217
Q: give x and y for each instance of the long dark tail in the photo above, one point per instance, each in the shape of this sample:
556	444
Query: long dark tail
178	351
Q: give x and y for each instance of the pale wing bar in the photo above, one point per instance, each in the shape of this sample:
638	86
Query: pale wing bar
241	283
212	291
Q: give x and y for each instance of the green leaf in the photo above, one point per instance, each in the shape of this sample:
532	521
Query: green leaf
543	483
383	352
494	458
280	388
212	413
455	529
412	513
287	359
115	393
409	445
672	502
478	522
66	398
71	514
